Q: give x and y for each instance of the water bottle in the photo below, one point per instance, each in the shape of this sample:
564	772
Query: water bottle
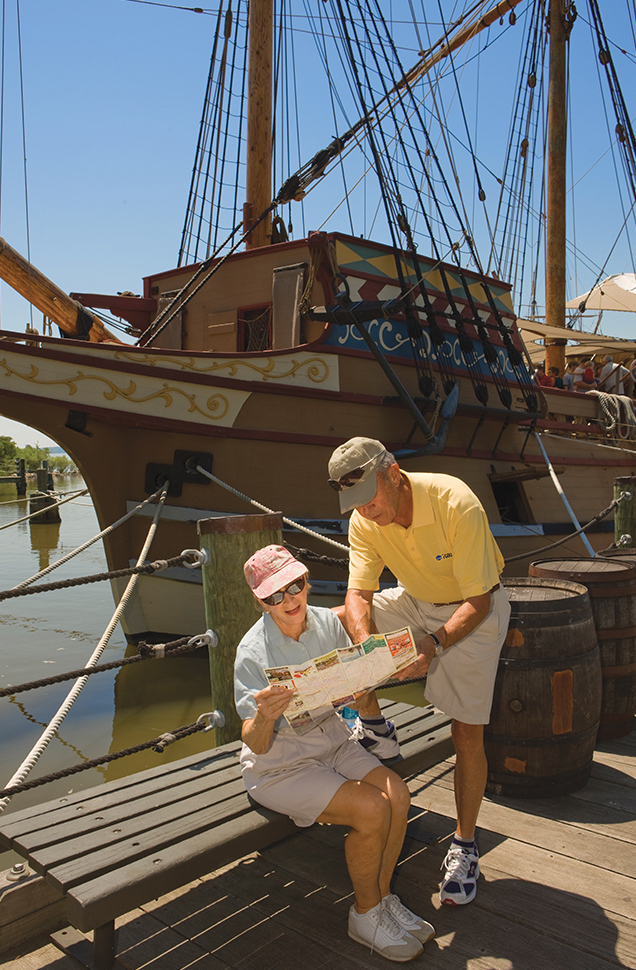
349	715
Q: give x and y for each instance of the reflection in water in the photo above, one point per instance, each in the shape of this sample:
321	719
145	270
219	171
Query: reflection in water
57	631
45	540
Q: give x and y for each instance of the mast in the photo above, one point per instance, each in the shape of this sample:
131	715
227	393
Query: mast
556	183
259	122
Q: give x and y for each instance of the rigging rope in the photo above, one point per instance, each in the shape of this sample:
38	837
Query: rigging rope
85	545
264	508
40	746
159	744
25	518
146	652
149	568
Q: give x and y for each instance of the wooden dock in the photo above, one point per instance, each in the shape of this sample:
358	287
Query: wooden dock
558	891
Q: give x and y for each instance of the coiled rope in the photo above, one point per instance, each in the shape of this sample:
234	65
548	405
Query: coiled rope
55	505
615	407
32	758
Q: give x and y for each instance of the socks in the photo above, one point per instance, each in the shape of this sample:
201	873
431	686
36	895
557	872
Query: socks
378	725
463	843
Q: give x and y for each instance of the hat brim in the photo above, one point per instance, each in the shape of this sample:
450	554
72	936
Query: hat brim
285	576
360	494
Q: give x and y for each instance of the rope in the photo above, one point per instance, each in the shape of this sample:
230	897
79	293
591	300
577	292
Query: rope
264	508
559	542
62	501
157	743
174	649
614	406
75	691
308	555
100	535
148	568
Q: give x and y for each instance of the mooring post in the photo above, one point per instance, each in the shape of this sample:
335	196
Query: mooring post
625	511
230	607
21	483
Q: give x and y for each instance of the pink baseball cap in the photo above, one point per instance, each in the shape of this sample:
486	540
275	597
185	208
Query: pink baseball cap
271	568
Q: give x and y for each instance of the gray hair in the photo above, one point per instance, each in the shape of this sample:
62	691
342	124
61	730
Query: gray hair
385	462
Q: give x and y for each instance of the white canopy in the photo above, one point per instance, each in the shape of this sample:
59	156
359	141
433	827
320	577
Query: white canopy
579	342
615	293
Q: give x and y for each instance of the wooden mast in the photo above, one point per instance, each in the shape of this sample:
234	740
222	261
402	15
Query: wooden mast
556	185
259	122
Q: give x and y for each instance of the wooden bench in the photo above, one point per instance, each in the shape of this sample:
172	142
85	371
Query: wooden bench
113	848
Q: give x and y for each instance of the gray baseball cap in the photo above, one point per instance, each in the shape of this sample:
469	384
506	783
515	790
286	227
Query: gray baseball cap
352	469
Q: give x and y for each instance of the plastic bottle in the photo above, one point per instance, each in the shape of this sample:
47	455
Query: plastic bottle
349	714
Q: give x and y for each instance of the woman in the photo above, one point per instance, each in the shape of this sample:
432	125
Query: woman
316	772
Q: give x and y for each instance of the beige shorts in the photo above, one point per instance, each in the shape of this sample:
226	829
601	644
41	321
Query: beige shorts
460	682
300	774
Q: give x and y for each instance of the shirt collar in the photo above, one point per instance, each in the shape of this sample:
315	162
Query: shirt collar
275	635
422	505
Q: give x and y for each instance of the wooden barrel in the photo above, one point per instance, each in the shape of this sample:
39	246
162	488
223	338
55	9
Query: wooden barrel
612	587
546	707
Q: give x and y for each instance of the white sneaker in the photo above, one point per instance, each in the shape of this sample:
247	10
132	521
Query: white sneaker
378	930
383	746
413	924
459	884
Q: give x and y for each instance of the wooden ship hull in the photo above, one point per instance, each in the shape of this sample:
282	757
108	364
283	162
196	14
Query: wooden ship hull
265	422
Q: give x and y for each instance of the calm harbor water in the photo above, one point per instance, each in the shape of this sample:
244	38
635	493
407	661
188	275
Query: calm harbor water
49	633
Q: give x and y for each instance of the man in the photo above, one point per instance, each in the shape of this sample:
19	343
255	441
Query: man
431	531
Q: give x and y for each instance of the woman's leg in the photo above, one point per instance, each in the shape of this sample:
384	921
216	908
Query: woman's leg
375	810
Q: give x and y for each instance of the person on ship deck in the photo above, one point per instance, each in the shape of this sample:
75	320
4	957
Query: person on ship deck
317	771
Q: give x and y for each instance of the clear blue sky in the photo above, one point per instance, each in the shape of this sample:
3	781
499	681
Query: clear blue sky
113	92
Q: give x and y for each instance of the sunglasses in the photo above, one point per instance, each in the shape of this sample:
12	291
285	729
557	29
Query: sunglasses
352	477
293	589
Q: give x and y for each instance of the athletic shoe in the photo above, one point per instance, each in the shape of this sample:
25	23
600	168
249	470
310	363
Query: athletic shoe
383	746
459	884
413	924
379	931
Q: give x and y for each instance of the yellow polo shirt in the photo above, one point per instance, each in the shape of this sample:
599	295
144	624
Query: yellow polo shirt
448	553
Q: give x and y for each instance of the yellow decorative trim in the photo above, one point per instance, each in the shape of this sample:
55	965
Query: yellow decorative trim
317	369
213	403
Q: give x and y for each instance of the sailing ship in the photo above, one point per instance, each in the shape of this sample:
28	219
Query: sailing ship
259	353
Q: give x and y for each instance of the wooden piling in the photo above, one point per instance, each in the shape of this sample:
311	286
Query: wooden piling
625	511
230	607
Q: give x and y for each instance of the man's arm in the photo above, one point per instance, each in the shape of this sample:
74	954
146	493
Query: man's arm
257	731
464	620
357	614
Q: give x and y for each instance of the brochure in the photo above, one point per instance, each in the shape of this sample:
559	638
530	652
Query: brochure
339	677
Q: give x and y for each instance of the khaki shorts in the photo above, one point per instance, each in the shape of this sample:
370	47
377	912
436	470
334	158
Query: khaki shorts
300	774
460	682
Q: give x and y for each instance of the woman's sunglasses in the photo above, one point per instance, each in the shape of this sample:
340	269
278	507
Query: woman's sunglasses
277	598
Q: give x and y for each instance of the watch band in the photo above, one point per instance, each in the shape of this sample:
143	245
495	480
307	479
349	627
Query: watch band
439	649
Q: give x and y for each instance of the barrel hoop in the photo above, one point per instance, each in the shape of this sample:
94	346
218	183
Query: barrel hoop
542	742
621	670
552	663
629	631
542	571
610	591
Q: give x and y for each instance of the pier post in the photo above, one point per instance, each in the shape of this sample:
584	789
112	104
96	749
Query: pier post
20	470
625	512
230	607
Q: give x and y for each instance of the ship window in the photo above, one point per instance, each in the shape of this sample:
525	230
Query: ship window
254	328
511	502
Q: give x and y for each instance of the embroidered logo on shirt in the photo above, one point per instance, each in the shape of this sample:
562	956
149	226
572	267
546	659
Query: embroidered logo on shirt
445	555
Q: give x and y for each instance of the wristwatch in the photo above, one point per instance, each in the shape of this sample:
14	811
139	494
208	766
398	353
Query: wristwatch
439	649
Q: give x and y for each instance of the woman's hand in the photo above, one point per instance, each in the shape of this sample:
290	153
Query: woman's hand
273	701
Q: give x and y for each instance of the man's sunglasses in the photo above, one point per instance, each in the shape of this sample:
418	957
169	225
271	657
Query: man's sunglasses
352	477
293	589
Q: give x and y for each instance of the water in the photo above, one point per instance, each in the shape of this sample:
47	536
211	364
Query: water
54	632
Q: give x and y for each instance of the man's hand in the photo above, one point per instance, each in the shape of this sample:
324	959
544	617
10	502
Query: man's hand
273	701
426	651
